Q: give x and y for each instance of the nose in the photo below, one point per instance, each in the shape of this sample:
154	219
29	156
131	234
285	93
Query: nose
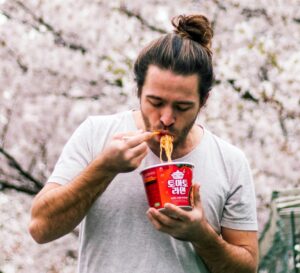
167	117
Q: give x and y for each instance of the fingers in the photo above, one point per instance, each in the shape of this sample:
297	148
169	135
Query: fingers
126	150
161	221
135	149
138	153
173	212
171	225
176	212
170	216
179	223
137	139
133	138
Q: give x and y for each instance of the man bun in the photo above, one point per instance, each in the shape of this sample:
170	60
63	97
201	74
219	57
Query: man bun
194	27
185	52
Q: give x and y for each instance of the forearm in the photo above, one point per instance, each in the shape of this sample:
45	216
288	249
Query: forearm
59	210
222	257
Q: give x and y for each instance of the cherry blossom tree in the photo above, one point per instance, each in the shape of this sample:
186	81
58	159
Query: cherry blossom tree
64	60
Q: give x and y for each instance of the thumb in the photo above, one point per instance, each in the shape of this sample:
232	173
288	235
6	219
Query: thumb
196	200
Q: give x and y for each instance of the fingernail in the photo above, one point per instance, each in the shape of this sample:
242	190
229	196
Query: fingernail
168	205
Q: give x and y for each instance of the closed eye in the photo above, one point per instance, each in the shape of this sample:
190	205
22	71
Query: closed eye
183	108
180	106
156	102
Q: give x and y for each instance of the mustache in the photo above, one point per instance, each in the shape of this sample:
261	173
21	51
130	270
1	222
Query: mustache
166	131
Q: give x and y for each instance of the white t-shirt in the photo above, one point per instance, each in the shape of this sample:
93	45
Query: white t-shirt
116	235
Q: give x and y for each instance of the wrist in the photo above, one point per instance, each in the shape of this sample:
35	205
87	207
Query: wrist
103	166
206	236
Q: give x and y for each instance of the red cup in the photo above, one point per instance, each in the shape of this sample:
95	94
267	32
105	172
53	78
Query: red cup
169	183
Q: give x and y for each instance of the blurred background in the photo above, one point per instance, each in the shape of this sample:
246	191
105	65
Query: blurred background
62	61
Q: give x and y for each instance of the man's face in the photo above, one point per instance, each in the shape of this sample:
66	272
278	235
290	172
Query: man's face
169	103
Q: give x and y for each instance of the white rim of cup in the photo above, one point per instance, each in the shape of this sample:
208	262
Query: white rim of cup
167	164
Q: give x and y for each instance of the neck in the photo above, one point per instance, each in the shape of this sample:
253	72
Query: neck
190	143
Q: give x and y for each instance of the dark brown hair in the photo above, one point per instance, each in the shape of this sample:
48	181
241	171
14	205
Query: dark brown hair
187	51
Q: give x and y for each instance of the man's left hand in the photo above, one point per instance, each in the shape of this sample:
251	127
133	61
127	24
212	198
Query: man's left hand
181	224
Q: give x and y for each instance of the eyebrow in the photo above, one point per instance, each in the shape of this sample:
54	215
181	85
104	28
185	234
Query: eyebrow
186	102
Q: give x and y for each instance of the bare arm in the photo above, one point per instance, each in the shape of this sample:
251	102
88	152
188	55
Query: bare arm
57	209
234	252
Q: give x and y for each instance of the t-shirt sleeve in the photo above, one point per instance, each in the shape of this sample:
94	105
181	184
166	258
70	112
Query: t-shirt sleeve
75	155
240	207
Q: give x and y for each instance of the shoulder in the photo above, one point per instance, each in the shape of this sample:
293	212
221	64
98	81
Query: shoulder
109	119
226	149
227	156
100	124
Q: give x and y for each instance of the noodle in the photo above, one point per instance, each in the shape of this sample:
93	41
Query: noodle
166	143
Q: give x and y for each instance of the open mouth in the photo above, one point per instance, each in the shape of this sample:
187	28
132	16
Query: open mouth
162	133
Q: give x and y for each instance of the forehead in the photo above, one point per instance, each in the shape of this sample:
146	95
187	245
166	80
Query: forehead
165	80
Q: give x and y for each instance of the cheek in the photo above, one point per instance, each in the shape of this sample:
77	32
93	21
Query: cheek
151	114
151	118
186	120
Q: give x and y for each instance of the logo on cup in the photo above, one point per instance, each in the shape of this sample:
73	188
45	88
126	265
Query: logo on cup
178	184
177	175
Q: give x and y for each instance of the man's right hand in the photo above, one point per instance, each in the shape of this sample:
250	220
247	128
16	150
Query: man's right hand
125	151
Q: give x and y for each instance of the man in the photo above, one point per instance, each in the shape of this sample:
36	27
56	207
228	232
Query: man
96	179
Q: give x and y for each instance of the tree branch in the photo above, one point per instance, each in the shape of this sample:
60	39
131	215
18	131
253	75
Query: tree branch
129	13
8	16
13	162
283	114
7	185
17	58
58	38
246	95
256	12
8	116
296	20
220	5
92	97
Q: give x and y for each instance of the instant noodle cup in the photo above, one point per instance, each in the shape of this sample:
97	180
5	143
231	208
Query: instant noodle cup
169	183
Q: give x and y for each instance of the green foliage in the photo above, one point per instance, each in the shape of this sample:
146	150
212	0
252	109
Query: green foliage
276	260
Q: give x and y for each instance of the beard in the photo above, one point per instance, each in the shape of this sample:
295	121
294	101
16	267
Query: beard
179	135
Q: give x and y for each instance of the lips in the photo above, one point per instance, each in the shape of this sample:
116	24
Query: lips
164	132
